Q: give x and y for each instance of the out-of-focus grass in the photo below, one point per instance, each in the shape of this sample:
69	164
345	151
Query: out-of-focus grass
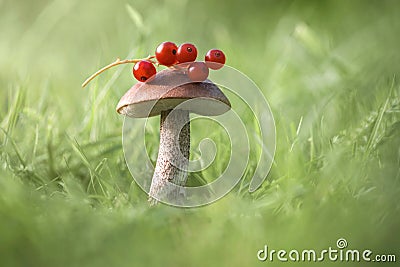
330	70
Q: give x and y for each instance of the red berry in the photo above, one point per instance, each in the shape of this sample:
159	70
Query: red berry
143	70
215	59
198	71
186	53
166	53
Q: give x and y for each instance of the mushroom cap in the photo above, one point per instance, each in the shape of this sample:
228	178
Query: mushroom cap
169	89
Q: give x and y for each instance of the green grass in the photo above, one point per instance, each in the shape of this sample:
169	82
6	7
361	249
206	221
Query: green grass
329	69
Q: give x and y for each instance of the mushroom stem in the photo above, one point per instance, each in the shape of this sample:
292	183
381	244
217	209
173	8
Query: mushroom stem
173	155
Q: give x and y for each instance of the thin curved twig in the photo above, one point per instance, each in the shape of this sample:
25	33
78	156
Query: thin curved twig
115	63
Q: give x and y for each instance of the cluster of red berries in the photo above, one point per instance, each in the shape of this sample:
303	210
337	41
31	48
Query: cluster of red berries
169	54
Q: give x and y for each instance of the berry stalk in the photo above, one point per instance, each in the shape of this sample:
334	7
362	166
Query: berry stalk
115	63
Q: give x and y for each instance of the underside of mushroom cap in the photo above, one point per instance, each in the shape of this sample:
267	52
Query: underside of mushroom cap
169	89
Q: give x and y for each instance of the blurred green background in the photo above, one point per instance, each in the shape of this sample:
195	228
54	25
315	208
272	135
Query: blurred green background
329	69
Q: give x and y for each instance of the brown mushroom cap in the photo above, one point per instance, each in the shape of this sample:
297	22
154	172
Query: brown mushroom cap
168	89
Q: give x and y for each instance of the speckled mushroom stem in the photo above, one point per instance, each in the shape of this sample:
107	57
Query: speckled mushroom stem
173	154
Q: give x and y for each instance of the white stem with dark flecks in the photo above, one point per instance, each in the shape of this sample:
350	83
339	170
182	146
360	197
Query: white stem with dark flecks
173	155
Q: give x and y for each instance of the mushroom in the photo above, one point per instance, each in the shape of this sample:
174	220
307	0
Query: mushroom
167	94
